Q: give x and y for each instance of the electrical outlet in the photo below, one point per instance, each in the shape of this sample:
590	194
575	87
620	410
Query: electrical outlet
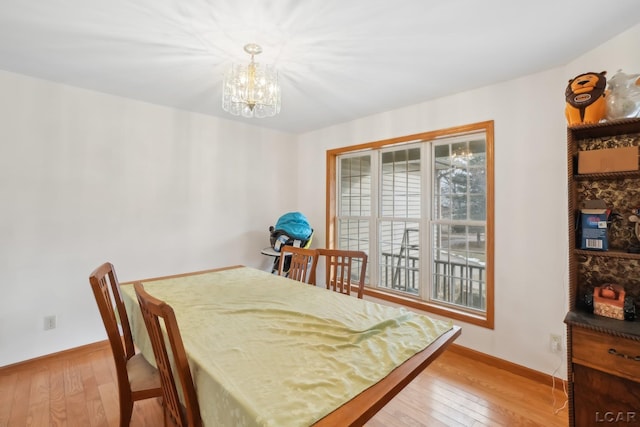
556	343
49	322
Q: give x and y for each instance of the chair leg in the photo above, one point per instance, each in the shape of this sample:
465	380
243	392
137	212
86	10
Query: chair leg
126	410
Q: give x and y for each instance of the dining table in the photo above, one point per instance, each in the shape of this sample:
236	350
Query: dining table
265	350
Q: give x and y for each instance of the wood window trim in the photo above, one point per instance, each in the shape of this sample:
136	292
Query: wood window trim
461	315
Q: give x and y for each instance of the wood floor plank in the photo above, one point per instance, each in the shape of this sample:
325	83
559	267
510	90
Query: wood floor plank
77	413
7	389
18	416
439	412
430	401
39	397
109	396
57	398
473	409
78	416
103	366
92	396
147	413
72	377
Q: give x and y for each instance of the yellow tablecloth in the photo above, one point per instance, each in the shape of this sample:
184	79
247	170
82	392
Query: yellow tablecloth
269	351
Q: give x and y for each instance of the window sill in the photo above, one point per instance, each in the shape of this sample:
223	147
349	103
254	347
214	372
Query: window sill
485	322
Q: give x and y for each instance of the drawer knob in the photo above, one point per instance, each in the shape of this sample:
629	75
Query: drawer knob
626	356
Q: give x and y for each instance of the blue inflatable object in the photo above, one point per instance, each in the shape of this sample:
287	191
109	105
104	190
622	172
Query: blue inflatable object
295	225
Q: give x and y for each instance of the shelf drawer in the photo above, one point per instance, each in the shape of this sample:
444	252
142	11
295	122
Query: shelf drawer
614	355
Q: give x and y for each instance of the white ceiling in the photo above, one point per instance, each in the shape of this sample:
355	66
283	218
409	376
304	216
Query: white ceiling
338	59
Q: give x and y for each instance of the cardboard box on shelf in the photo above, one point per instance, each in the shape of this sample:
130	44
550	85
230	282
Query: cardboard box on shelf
608	160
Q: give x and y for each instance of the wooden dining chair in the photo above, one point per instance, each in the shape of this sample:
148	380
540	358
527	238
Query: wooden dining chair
155	311
301	264
137	378
342	270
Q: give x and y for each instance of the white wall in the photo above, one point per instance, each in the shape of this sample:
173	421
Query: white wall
531	274
87	177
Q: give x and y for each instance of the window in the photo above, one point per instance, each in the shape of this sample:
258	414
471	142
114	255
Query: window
421	206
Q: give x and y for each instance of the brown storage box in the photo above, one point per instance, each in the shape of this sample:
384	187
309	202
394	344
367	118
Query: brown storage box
608	160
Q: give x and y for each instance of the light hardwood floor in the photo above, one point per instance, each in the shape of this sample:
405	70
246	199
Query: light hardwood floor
78	389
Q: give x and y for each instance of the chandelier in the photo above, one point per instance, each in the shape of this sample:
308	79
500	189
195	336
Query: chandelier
251	90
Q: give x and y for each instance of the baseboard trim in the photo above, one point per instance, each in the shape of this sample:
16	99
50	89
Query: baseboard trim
27	364
514	368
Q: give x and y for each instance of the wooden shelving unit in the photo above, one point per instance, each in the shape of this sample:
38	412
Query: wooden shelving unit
603	354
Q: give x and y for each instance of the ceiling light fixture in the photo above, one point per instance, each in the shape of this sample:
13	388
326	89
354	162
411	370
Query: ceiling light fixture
251	90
